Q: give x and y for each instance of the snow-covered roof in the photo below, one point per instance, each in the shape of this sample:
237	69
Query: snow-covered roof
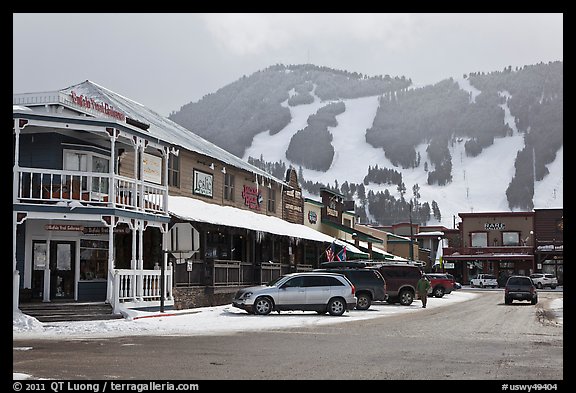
192	209
160	127
431	233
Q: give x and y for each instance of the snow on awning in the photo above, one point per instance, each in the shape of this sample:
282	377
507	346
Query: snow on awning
191	209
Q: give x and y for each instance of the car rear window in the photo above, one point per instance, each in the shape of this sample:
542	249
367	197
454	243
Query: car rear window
519	281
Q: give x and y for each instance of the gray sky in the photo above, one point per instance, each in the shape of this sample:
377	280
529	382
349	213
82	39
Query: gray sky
167	60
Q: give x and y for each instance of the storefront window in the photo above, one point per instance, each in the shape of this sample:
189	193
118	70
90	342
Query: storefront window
510	238
479	239
229	187
271	200
218	245
93	259
174	170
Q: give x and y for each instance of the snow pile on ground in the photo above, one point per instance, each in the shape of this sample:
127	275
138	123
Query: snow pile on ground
224	319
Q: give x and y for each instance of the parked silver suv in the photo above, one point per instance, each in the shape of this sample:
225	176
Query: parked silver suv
542	280
308	291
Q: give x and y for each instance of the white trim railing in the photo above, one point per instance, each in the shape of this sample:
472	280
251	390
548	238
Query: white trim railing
140	288
39	185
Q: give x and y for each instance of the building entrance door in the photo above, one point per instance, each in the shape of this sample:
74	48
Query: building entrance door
62	268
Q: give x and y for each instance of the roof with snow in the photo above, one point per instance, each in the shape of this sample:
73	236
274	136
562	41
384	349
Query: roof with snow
95	100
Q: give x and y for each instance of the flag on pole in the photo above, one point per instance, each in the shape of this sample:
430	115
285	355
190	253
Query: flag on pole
330	254
342	254
438	260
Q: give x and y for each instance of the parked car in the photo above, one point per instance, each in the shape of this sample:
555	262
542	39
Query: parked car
520	288
484	280
401	279
307	291
457	285
543	280
441	284
369	283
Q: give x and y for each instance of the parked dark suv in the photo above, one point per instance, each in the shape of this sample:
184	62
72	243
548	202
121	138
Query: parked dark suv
401	277
369	283
520	288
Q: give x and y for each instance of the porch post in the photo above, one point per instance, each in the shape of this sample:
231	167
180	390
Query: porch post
16	274
140	263
15	182
133	285
111	282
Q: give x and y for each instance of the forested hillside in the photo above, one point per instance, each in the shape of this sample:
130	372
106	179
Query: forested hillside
410	130
234	114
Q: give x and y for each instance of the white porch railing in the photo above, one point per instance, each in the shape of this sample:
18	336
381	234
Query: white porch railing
39	185
140	288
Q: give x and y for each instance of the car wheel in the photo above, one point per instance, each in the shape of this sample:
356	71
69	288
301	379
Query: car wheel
507	300
540	285
406	298
534	301
336	307
364	301
438	292
262	306
481	285
552	286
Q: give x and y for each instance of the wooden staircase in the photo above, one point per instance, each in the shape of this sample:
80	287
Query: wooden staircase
59	311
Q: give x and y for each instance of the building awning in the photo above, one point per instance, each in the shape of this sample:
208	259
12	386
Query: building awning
352	252
361	235
191	209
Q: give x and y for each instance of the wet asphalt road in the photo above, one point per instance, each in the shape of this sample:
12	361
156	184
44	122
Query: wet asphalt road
480	339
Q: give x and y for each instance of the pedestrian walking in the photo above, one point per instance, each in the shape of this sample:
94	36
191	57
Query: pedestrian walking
422	288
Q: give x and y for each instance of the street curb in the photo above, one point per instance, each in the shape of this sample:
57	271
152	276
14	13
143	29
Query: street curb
165	315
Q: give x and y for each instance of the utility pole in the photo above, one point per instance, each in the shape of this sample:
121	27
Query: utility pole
411	235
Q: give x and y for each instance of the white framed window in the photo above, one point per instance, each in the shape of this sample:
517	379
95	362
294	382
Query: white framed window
510	238
479	239
87	161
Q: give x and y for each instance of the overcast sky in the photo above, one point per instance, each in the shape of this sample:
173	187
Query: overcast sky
167	60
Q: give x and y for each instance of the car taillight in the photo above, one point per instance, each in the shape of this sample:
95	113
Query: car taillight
353	289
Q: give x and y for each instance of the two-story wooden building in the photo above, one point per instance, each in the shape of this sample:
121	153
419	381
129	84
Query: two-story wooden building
499	243
114	202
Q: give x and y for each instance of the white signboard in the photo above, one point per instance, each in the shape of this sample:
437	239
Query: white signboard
202	183
183	241
152	168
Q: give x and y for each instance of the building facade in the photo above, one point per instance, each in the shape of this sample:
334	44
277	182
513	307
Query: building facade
113	202
499	243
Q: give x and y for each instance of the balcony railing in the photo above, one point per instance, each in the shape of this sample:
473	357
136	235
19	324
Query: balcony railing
141	288
488	250
35	185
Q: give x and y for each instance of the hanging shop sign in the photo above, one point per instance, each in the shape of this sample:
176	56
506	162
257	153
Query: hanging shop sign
102	107
312	217
252	197
492	226
152	168
64	227
203	183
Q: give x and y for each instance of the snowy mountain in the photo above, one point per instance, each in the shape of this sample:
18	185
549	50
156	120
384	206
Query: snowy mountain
482	164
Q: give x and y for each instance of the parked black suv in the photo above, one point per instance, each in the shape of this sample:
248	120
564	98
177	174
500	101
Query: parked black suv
370	285
401	277
520	288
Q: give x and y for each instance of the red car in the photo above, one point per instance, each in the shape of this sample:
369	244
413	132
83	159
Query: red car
441	283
